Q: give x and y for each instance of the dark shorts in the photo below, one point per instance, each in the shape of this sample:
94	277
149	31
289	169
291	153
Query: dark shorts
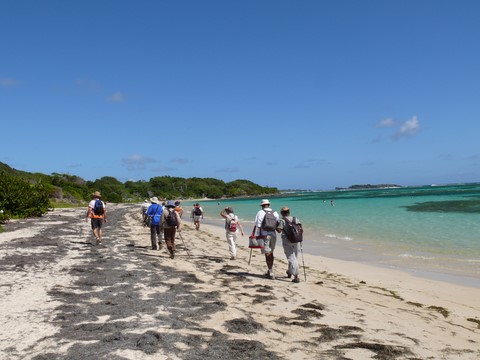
97	223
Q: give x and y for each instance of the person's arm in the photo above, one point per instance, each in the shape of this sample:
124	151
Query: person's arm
89	211
258	222
222	214
280	226
241	227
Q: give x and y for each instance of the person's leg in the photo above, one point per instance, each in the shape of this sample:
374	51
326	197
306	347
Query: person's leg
153	236
96	229
172	253
99	229
159	236
294	262
267	250
288	250
231	244
92	224
169	235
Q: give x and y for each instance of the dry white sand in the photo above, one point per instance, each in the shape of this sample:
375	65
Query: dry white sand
62	298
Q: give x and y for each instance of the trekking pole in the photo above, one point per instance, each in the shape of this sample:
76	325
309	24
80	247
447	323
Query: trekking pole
250	258
185	246
303	260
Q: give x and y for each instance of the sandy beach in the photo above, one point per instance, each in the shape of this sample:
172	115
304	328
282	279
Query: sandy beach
63	298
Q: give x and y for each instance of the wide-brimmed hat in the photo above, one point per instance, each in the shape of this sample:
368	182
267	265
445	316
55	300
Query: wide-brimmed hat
170	203
229	209
155	200
97	194
146	200
285	209
265	202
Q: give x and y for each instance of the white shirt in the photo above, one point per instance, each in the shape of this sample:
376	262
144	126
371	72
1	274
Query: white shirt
259	219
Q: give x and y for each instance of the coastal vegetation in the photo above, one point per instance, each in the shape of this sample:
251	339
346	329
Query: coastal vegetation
24	194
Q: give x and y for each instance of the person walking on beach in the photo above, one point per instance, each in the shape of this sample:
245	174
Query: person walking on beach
197	214
290	248
154	213
266	222
178	208
146	203
97	212
171	222
232	225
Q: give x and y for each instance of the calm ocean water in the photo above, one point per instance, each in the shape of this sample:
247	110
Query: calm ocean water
432	231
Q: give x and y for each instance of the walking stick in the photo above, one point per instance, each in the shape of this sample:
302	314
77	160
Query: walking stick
185	246
250	258
303	260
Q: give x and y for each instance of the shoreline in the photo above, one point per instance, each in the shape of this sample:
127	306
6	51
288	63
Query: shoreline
442	275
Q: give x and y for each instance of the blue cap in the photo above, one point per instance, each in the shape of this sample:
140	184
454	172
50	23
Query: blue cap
170	203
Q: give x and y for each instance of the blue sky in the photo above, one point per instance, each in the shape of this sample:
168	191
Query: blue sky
293	94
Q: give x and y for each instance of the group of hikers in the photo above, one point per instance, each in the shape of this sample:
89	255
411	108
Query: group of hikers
166	216
165	220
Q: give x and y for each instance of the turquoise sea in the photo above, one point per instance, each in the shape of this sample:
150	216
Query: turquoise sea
431	231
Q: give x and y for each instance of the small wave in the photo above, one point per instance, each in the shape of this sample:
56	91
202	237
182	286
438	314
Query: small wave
411	256
333	236
472	260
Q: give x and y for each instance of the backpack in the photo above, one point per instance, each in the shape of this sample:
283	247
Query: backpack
98	208
197	211
269	222
293	230
232	225
172	218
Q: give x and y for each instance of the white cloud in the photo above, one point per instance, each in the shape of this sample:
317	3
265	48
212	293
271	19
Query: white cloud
8	82
116	97
408	128
388	122
137	162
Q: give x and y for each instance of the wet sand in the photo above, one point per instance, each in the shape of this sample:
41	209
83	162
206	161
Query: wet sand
63	298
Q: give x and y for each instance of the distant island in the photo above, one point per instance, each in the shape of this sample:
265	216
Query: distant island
369	186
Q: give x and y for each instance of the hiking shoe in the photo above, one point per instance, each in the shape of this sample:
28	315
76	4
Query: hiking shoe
233	258
160	246
172	255
296	280
289	275
269	275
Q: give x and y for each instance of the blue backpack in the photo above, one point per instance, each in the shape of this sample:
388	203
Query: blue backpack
98	208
